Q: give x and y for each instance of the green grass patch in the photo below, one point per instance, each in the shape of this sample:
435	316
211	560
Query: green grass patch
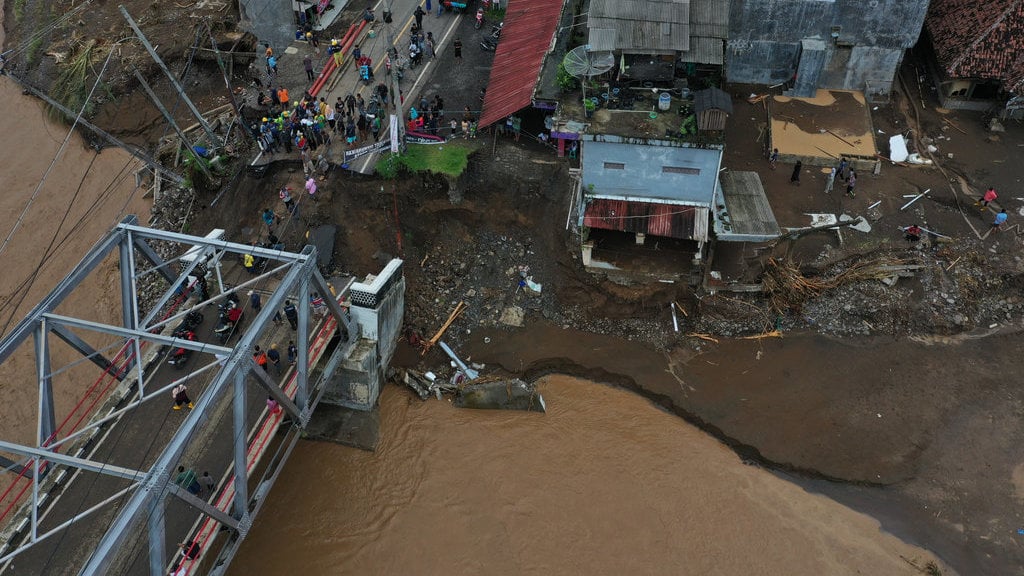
19	10
449	159
71	88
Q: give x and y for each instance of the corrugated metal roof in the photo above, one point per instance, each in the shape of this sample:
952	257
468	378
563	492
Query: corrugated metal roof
709	98
690	179
709	18
642	24
525	40
705	51
667	220
602	39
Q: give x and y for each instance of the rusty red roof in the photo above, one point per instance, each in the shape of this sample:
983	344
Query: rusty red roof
975	39
526	38
669	220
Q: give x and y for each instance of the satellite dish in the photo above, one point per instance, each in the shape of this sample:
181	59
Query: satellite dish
581	62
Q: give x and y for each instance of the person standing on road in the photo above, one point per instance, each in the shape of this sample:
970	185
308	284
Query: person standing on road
311	187
773	158
187	480
208	484
275	358
255	301
419	17
795	178
457	45
830	180
291	314
307	64
293	353
268	217
430	46
180	396
851	182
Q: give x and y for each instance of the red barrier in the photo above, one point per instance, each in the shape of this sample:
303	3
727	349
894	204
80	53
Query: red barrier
346	44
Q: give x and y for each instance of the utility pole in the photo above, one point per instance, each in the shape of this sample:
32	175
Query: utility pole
227	82
398	136
150	161
184	139
214	140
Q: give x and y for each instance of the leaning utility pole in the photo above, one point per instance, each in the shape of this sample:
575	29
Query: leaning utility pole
177	129
150	161
227	82
214	140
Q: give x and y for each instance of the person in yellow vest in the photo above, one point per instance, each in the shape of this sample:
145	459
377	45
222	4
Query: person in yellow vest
335	52
249	263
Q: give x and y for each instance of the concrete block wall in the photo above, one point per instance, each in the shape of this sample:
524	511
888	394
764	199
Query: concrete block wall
270	21
765	39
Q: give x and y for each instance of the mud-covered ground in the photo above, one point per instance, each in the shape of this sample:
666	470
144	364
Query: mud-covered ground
913	415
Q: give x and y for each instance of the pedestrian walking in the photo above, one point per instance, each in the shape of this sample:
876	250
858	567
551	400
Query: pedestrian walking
186	478
440	8
272	66
208	484
293	353
773	158
795	178
272	406
997	224
987	197
268	217
418	14
844	166
307	64
259	357
457	46
851	182
180	395
572	150
291	314
255	301
517	126
286	196
275	358
430	46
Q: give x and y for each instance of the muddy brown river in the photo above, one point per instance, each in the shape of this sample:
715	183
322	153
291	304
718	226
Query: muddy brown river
604	483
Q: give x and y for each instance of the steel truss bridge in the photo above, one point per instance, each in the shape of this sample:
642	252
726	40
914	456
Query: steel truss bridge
109	484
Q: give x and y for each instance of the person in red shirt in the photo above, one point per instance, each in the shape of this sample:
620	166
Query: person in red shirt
912	233
989	196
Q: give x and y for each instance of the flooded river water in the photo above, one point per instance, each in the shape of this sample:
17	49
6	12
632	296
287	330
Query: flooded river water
604	483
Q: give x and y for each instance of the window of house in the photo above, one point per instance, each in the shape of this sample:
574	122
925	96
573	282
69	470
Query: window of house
614	166
680	170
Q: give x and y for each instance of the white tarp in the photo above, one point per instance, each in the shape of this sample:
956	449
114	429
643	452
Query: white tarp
898	148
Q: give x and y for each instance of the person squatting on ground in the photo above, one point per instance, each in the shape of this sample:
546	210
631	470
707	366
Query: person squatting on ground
180	395
912	233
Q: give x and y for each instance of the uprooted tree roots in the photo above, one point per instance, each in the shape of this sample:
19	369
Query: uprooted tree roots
788	289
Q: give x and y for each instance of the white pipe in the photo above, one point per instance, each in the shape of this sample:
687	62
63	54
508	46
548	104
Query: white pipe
675	320
916	198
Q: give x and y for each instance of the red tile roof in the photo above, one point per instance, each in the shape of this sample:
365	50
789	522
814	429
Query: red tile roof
529	29
979	39
669	220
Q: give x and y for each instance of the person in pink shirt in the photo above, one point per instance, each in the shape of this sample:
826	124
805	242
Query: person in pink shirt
311	188
989	196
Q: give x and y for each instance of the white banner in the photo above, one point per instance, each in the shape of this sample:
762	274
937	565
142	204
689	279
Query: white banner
393	122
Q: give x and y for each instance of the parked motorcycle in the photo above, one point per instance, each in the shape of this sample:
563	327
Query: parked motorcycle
185	329
489	44
230	315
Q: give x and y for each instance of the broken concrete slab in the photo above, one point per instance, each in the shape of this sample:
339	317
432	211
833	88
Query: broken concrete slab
501	395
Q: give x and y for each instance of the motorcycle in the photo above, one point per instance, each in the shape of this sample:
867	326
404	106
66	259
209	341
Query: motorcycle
479	18
230	315
179	356
496	30
186	330
489	44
